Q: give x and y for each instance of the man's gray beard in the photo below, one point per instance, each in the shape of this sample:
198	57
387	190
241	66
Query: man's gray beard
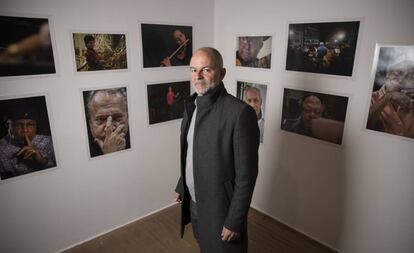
207	88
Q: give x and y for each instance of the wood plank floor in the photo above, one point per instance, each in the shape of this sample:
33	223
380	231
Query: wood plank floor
158	233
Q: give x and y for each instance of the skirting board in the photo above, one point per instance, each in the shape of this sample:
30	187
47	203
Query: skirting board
114	228
293	228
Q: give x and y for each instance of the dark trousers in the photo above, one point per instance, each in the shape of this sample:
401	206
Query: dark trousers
194	218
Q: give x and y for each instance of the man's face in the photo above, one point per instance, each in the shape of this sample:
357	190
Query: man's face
249	47
312	108
23	128
252	97
104	105
90	44
401	78
179	37
205	74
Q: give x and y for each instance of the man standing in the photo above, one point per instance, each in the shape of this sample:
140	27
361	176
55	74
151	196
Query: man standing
253	97
107	115
24	151
219	159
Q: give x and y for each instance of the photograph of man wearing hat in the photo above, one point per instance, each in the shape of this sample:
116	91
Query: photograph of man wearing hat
22	149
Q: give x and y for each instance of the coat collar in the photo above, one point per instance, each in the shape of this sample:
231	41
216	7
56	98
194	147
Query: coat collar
208	99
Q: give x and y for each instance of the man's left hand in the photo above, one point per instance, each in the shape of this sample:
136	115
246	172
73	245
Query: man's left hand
228	235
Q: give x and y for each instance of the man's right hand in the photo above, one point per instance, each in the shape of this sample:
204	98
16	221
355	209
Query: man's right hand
114	140
178	198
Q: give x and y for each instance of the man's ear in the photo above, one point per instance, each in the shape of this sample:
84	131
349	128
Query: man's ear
222	74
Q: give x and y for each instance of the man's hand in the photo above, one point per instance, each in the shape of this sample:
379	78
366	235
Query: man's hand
114	140
228	235
166	62
178	198
30	154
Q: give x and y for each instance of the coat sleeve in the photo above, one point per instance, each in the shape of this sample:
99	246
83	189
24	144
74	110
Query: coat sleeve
180	187
246	140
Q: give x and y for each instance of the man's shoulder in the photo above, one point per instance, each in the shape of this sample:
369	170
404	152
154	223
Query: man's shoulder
230	100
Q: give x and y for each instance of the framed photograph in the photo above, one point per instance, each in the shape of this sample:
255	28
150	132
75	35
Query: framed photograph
317	115
25	46
166	45
255	95
166	100
391	108
326	48
107	120
254	51
100	51
26	144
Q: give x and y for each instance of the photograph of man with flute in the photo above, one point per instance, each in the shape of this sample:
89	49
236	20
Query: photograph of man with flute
166	45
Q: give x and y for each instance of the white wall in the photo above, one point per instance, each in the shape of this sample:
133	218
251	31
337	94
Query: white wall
357	198
55	209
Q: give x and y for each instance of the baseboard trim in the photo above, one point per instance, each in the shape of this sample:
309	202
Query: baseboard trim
293	228
115	228
172	204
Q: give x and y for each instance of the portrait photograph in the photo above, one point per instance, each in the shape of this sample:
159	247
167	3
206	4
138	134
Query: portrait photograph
317	115
166	45
326	48
166	100
254	94
254	51
99	51
26	144
391	107
25	46
107	120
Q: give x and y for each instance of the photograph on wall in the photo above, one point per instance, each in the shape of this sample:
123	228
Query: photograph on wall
166	45
391	107
254	51
26	144
254	94
166	100
25	46
99	51
318	115
327	48
107	120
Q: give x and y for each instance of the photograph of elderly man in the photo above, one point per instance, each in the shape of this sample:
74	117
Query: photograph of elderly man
255	96
254	51
392	100
317	115
106	113
25	137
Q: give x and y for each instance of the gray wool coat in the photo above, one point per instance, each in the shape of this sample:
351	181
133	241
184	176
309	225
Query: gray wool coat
225	162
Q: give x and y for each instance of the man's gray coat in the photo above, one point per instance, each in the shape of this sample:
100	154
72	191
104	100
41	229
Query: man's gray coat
225	157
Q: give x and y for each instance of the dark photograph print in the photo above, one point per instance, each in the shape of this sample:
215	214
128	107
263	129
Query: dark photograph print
254	51
317	115
107	120
166	100
392	99
327	48
254	94
100	51
25	46
25	137
166	45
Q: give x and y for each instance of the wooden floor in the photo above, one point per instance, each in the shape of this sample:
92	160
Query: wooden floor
158	233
